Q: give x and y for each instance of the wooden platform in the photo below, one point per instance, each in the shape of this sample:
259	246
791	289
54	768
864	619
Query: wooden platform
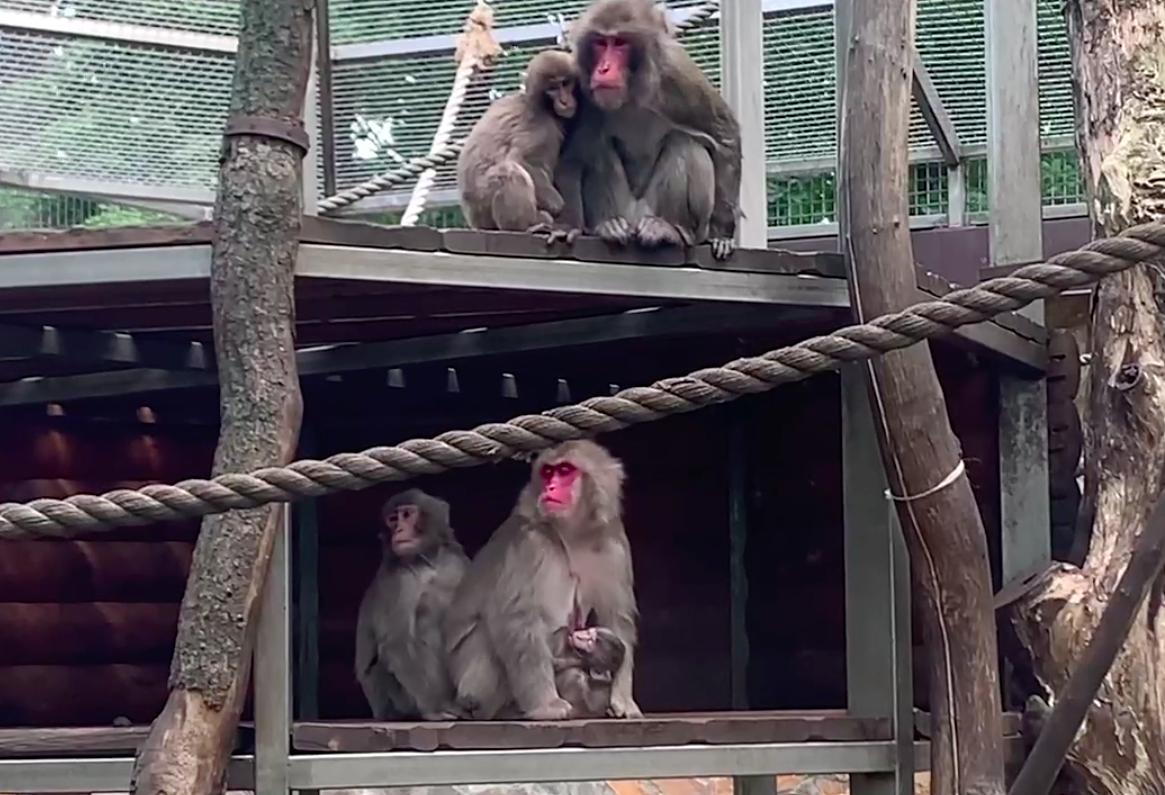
360	282
90	741
715	728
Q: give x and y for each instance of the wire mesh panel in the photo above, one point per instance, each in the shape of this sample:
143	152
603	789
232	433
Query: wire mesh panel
219	17
111	111
122	108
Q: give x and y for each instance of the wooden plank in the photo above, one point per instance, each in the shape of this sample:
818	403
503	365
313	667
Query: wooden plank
119	237
938	121
671	729
329	231
86	740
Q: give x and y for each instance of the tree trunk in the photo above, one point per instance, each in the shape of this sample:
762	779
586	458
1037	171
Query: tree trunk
942	526
1118	58
257	219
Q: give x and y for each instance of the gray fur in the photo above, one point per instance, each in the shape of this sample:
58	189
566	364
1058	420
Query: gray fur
505	171
519	589
659	164
400	655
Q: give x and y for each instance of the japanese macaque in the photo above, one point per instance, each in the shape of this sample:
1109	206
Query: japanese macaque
562	553
656	155
400	653
505	173
585	662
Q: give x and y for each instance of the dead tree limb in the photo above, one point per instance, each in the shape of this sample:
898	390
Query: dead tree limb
1055	736
256	223
1117	57
944	533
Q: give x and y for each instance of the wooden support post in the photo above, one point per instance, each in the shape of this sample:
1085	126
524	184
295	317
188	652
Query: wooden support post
879	671
935	505
307	597
738	484
252	294
1015	237
737	544
741	66
273	669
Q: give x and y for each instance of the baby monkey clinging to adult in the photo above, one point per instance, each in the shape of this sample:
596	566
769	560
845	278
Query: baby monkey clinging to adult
505	173
585	661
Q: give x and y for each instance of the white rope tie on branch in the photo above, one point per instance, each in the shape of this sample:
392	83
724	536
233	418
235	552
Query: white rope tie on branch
949	480
475	48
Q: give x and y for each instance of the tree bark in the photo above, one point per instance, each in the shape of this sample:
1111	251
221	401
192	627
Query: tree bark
257	219
943	529
1118	60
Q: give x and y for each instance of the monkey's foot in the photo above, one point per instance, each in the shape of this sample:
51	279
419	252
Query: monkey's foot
654	232
558	709
615	231
624	707
442	715
722	247
555	234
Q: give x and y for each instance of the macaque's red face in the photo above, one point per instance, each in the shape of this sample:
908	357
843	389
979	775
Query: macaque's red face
560	487
609	79
403	530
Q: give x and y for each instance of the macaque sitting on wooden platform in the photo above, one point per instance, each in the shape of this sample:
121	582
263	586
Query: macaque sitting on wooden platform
400	653
505	172
562	552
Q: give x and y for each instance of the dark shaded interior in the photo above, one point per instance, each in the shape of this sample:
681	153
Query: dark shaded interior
87	626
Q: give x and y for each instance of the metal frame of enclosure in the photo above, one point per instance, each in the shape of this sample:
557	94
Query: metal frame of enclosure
876	574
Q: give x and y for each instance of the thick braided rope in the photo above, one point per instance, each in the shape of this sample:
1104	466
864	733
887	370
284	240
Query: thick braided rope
403	173
534	432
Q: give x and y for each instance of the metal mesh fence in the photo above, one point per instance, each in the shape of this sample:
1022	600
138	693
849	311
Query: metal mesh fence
124	108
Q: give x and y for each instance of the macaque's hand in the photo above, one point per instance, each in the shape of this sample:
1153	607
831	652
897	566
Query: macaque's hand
623	707
558	709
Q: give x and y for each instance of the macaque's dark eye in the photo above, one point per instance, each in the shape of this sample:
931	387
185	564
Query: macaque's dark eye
564	469
547	471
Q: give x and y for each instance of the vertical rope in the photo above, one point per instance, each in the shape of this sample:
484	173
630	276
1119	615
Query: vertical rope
475	48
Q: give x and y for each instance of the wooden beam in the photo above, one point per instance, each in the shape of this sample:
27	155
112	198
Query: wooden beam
102	347
742	83
930	104
683	321
1015	236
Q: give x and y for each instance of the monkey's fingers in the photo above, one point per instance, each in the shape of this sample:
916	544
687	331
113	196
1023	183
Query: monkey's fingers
654	232
722	247
615	231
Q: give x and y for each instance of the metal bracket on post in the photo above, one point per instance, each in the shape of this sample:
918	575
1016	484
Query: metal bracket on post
272	669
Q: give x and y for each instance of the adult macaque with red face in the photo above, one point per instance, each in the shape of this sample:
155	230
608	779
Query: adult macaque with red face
561	554
656	154
400	653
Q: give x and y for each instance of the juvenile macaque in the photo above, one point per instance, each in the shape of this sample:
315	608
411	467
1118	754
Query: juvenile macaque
505	172
562	553
585	662
656	156
400	655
